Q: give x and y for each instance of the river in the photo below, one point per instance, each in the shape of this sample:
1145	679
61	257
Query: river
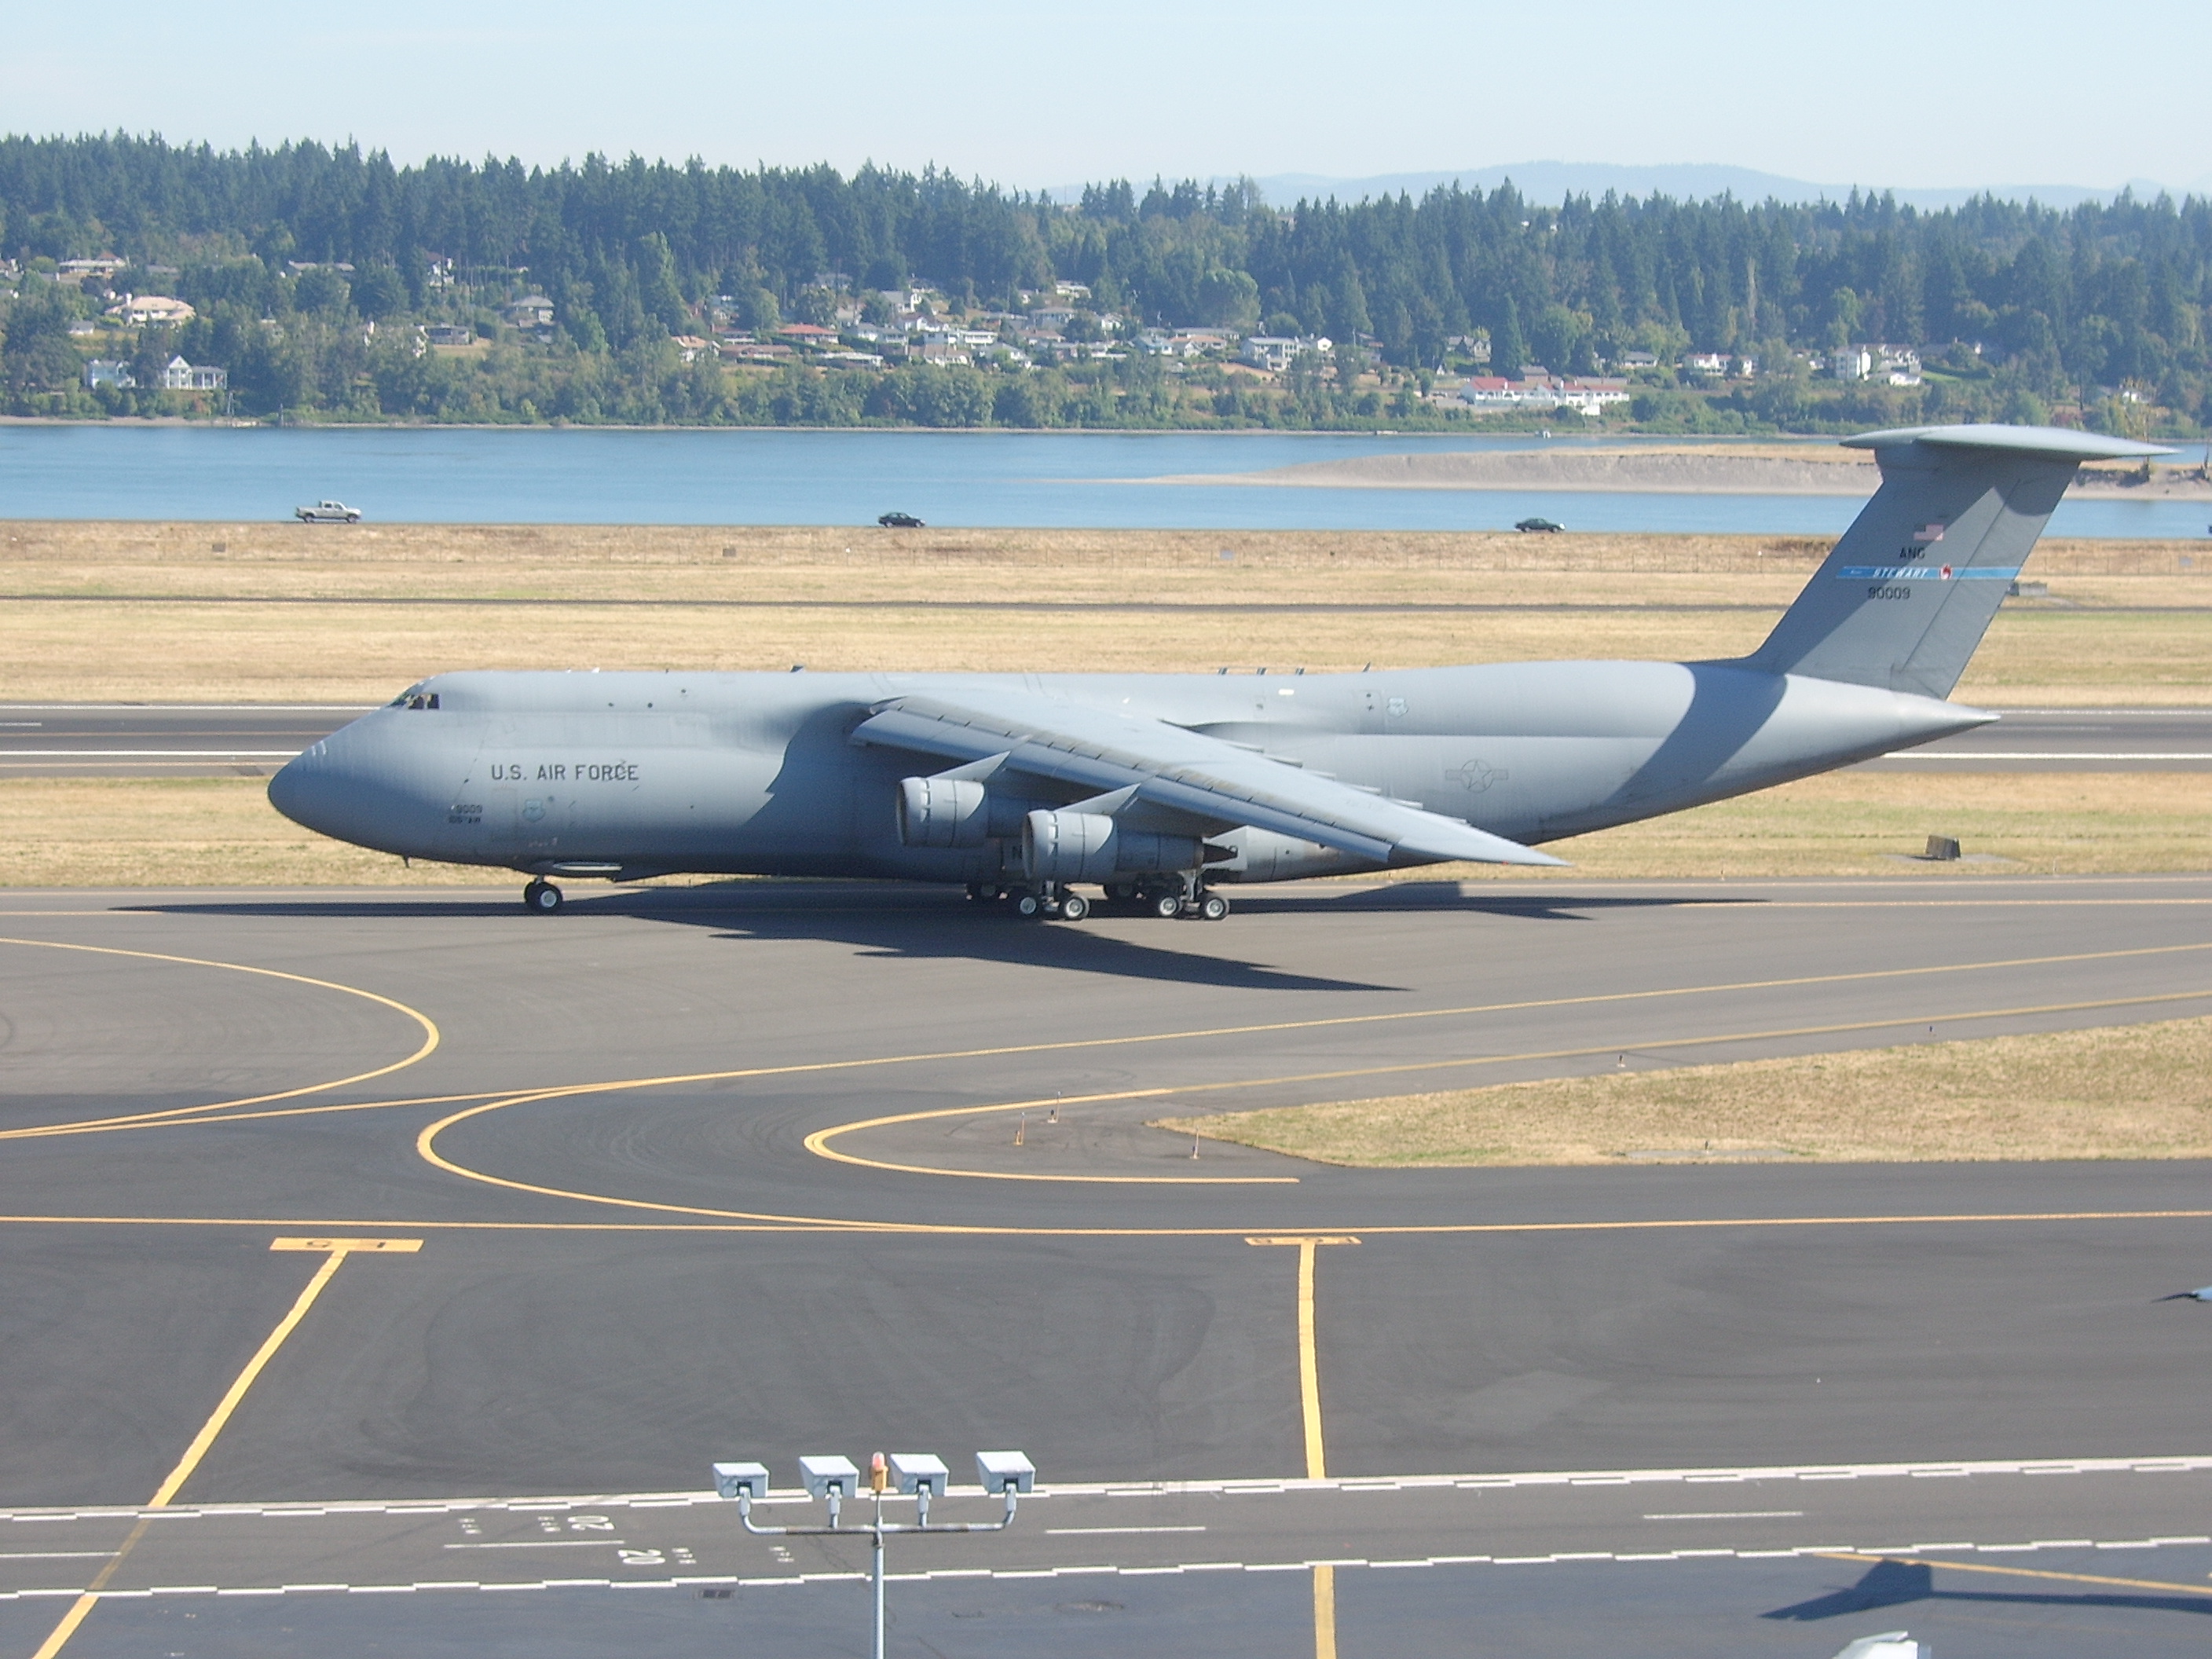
541	475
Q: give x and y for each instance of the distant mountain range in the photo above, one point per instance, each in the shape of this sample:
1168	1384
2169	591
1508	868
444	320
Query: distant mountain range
1550	182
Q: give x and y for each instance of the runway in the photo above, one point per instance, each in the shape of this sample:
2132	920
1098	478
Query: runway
646	1215
160	740
172	740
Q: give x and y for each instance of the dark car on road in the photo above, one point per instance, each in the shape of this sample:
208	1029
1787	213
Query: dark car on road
1542	525
899	521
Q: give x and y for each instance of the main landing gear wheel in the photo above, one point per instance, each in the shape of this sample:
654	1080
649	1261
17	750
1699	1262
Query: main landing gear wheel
541	897
1030	905
1213	907
1074	907
1167	906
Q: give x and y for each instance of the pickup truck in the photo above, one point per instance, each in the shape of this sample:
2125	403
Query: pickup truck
327	512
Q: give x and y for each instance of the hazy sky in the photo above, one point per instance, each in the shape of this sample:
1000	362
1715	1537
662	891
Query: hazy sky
1935	93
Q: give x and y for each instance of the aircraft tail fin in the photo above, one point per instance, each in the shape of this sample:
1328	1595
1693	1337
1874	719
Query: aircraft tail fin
1906	595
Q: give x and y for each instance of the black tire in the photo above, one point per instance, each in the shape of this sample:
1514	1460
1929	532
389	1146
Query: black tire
541	897
1167	906
1030	905
1213	907
1074	907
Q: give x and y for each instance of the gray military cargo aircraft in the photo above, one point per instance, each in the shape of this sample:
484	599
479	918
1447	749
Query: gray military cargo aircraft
1161	788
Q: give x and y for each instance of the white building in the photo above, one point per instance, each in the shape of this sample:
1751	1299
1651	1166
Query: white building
158	310
177	375
1850	362
1276	352
102	372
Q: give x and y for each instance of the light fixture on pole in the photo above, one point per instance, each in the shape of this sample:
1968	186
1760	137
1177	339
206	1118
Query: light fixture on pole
917	1475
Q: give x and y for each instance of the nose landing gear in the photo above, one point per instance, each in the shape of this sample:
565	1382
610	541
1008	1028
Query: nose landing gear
541	897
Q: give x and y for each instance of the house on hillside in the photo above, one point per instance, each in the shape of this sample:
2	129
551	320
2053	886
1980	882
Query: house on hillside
531	311
101	371
1276	352
156	310
177	375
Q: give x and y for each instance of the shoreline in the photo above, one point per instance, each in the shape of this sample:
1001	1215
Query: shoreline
1659	471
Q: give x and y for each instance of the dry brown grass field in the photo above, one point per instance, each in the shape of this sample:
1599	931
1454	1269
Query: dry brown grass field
2123	1092
278	612
285	613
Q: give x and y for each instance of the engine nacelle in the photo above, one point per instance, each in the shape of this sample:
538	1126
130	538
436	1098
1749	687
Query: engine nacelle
1090	847
1250	854
943	812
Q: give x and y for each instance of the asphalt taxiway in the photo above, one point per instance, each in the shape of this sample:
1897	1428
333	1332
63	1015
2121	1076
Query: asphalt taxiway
767	1168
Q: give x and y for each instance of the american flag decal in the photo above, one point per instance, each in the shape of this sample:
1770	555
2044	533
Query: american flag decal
1929	532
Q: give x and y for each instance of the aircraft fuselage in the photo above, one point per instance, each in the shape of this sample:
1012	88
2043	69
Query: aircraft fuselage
632	773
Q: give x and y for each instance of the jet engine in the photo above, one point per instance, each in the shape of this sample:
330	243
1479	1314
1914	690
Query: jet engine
1089	847
943	812
956	812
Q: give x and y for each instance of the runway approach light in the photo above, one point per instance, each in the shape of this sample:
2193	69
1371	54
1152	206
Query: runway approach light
918	1471
1007	1472
1891	1644
912	1475
823	1476
741	1479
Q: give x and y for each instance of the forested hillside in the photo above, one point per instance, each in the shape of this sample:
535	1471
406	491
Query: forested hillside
2099	313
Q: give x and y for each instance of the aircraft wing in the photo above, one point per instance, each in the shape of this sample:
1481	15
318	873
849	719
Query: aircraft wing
1182	771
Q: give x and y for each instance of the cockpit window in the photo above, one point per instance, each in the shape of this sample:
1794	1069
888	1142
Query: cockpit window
415	697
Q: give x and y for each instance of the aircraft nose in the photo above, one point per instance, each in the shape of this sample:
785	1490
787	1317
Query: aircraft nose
292	790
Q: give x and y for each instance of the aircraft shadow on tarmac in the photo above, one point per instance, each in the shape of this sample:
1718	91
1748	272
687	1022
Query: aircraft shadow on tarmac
935	931
1894	1583
925	925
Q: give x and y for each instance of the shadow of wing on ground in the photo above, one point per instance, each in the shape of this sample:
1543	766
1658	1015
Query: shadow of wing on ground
891	920
1894	1583
1430	896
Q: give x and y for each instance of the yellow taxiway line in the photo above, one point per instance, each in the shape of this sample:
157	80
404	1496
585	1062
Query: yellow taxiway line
426	1142
334	1252
1324	1573
428	1045
2026	1572
192	1114
818	1142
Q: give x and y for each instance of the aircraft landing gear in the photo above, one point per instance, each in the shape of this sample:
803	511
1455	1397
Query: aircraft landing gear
541	897
1190	897
1051	902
